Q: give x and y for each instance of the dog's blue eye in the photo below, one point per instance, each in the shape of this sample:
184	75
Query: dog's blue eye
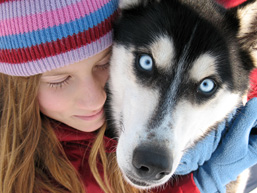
207	86
146	62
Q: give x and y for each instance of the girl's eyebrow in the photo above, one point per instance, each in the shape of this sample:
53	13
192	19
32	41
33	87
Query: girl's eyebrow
108	54
57	73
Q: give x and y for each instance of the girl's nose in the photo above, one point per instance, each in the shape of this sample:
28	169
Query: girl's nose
92	95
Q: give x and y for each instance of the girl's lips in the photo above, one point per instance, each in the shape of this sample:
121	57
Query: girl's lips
91	117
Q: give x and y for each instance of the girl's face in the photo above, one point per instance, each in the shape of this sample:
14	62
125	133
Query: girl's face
74	94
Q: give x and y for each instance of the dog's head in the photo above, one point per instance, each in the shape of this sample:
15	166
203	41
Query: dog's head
177	70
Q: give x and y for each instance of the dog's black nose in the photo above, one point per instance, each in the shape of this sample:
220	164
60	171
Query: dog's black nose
151	163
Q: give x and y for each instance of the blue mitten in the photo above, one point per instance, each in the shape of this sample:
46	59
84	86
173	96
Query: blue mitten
202	151
236	152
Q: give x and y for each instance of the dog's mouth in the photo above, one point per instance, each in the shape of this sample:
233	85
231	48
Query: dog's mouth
138	183
143	184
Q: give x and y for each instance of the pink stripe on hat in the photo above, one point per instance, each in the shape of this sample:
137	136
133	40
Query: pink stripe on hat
49	18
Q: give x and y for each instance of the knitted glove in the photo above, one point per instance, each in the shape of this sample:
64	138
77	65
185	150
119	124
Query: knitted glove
236	152
202	151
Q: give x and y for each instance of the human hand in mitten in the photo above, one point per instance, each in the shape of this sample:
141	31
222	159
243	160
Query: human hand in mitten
236	152
202	151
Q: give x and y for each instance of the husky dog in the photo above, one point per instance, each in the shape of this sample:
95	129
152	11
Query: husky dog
177	70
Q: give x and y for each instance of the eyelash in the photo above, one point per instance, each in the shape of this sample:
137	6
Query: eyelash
104	66
59	84
66	81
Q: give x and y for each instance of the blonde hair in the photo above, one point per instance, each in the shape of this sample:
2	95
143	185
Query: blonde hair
31	158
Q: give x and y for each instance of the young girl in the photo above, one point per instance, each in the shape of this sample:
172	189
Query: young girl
54	58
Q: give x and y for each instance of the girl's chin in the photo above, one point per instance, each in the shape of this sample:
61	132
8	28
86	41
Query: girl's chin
91	127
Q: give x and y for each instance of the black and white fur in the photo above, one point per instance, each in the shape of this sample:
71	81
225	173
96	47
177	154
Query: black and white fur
159	113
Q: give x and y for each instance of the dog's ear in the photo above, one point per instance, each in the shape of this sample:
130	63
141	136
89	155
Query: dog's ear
126	4
247	15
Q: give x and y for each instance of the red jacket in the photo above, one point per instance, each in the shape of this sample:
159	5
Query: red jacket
77	145
230	3
253	82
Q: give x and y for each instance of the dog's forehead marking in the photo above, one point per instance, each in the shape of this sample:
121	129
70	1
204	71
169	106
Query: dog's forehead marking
163	52
204	66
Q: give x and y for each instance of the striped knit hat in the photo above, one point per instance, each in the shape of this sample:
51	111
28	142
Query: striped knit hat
40	35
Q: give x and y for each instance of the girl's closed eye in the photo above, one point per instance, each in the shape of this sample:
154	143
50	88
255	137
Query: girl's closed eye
104	63
103	66
59	84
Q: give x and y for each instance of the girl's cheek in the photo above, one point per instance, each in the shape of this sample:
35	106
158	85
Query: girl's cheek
53	99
